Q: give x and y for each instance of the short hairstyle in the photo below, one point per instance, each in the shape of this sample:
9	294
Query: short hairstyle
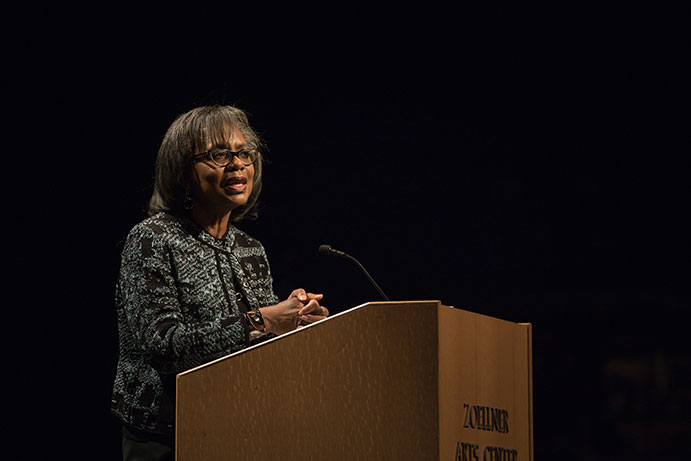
193	131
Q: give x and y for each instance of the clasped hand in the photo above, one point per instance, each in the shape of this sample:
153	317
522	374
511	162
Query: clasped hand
299	309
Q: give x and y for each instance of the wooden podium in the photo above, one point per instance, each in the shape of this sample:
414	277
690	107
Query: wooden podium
383	381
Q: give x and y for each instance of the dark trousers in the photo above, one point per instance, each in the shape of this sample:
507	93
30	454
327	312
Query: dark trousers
146	446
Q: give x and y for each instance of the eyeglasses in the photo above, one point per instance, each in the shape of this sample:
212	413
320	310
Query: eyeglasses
224	157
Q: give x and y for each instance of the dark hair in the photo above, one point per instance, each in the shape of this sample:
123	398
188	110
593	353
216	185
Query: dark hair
190	132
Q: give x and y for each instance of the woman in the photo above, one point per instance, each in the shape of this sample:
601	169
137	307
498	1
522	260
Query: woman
192	287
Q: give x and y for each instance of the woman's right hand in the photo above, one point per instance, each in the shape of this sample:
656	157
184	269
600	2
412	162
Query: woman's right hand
285	316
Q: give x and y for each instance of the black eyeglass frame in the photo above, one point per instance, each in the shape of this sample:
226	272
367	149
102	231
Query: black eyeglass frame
251	152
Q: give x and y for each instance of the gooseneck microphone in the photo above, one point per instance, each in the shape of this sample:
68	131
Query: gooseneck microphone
326	250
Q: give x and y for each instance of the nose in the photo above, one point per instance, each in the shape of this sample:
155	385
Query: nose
235	163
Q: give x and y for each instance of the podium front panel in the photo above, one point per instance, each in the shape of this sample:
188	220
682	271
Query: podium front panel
362	384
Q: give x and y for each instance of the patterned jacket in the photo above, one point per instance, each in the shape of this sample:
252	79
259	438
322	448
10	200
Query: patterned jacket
179	300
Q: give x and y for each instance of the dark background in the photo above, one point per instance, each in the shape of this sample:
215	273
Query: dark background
528	164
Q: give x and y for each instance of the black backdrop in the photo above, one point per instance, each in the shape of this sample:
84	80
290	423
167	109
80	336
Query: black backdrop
529	165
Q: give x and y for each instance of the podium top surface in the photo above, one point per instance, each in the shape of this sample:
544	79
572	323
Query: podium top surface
371	305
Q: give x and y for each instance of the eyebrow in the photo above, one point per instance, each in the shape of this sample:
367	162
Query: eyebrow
241	146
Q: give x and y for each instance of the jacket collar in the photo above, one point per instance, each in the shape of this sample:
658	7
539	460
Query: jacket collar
224	243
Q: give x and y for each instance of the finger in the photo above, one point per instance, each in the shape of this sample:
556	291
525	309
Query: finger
291	302
317	297
308	318
320	312
299	294
310	308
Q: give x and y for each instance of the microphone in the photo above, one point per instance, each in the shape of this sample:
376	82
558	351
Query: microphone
326	250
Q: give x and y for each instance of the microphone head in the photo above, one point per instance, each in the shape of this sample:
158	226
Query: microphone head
325	250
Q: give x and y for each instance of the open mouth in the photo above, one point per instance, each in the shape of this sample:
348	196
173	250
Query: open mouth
235	183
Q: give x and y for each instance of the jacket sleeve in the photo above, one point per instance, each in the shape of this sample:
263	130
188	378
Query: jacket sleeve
147	292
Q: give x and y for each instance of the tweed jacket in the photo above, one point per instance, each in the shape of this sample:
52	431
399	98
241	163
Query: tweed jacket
179	301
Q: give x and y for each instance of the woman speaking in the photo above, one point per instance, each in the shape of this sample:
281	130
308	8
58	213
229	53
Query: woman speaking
192	286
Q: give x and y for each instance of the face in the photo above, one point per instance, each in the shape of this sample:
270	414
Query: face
220	190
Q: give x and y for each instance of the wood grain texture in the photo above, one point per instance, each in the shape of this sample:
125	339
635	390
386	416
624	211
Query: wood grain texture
383	381
484	361
360	385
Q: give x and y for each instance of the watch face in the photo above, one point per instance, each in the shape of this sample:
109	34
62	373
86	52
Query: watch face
257	317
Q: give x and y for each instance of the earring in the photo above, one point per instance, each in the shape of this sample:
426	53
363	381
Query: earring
188	203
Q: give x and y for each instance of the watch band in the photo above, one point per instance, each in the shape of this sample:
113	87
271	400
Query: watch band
255	320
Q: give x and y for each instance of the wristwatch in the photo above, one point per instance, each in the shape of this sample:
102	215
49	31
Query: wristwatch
255	320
